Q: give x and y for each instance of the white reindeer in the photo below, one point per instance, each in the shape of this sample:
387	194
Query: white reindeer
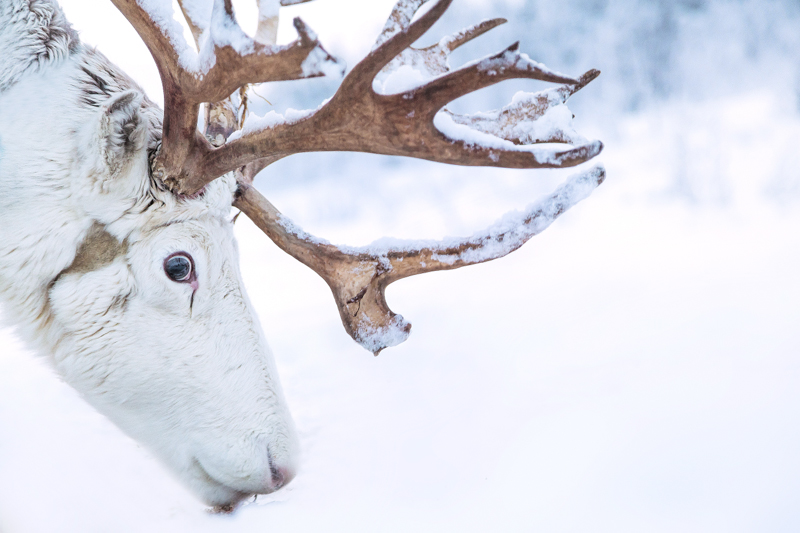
117	255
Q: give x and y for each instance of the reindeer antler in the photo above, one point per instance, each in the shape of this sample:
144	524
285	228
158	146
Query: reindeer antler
228	58
359	119
358	277
376	109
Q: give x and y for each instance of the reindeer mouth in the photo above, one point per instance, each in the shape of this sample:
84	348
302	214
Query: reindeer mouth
223	497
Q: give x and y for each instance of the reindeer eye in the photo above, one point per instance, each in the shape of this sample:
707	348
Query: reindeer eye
178	267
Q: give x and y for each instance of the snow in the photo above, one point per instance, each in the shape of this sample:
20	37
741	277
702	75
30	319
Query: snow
196	10
403	78
256	124
461	132
529	125
413	68
226	32
633	368
556	119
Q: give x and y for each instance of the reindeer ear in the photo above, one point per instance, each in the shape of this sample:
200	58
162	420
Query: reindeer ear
123	129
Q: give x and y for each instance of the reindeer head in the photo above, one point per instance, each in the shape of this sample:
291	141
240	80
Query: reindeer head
154	326
146	313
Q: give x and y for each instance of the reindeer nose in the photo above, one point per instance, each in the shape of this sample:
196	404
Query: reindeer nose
281	477
281	474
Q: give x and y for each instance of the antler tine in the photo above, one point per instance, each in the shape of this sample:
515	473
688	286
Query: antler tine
395	38
358	277
403	12
268	17
197	23
466	35
164	39
227	61
158	31
585	79
508	64
514	122
435	58
399	19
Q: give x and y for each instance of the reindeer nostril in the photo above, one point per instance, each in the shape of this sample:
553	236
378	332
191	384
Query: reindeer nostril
280	475
277	479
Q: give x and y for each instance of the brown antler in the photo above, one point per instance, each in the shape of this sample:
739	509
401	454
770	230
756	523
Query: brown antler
365	116
356	119
227	59
359	119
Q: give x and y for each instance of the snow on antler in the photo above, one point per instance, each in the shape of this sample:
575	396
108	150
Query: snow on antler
530	119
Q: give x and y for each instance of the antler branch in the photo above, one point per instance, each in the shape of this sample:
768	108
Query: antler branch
358	277
359	119
227	59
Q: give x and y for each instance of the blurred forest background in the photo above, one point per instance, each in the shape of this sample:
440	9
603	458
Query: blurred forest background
706	73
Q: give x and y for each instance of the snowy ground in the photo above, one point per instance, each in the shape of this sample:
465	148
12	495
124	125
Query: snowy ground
634	368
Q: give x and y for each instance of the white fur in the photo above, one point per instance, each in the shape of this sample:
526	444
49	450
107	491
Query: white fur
198	386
